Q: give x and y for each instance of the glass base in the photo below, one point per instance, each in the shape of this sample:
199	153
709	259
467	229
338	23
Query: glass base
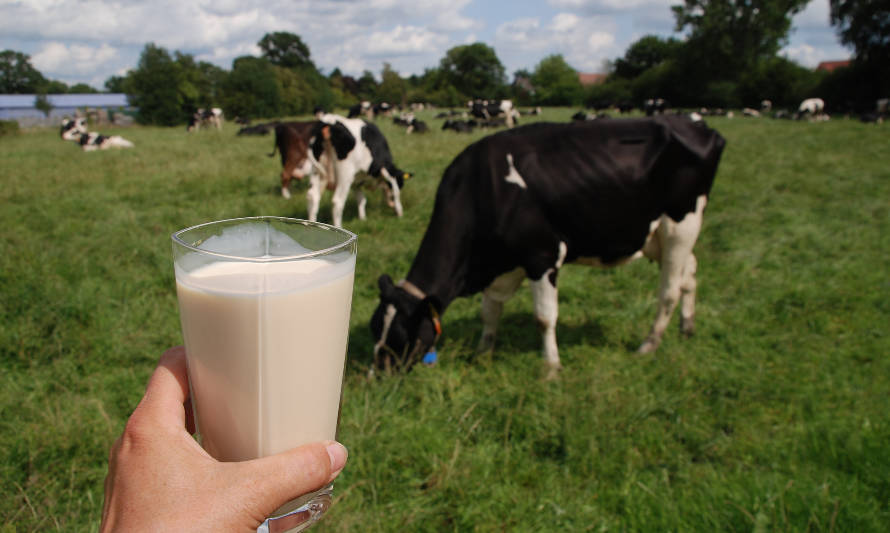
299	514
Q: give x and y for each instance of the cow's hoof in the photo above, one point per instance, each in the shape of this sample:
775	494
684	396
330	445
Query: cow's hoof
285	193
687	329
486	344
553	372
648	346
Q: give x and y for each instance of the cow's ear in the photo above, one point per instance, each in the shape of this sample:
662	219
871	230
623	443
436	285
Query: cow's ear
384	282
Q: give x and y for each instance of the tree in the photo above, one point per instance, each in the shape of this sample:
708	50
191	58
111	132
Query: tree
42	103
116	84
556	83
474	70
648	52
154	87
81	88
865	25
17	76
252	89
285	49
728	36
392	87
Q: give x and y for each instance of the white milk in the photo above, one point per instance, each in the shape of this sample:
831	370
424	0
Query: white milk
266	346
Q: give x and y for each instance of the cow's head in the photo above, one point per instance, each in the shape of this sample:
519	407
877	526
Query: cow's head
404	326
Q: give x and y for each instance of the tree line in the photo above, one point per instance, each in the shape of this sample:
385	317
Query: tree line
728	58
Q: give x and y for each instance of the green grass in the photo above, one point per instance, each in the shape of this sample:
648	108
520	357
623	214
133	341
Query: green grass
773	417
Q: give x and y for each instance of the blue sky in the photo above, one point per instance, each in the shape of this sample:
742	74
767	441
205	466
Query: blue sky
91	40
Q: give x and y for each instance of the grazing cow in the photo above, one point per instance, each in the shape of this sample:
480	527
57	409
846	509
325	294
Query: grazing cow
411	123
486	109
206	117
750	112
349	147
73	128
813	108
292	143
523	202
258	129
94	141
654	106
358	109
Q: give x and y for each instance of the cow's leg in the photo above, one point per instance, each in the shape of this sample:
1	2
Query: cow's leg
546	300
313	196
394	190
362	202
285	182
676	240
493	298
687	296
345	174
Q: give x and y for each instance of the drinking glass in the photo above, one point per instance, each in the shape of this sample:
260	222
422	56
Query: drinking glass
264	305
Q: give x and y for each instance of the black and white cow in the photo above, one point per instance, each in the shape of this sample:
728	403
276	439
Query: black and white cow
349	146
654	106
488	109
73	128
812	109
524	202
206	117
94	141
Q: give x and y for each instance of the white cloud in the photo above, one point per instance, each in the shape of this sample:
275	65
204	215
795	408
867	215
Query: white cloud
89	40
584	42
402	40
74	61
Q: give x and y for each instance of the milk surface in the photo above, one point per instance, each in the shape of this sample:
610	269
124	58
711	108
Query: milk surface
266	346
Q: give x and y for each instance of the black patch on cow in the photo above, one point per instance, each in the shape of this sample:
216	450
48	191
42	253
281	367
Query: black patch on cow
341	139
381	157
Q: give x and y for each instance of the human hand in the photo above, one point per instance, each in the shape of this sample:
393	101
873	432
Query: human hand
160	479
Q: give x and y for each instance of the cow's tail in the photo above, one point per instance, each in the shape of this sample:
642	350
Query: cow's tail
274	147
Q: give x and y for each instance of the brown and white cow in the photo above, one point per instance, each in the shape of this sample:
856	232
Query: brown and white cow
292	142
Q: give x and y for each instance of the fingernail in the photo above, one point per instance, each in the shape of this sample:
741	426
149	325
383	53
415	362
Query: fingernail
337	452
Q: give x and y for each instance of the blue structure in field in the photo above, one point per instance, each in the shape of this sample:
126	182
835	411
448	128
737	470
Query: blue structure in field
21	107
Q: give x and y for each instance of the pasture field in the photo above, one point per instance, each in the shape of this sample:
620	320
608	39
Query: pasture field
773	417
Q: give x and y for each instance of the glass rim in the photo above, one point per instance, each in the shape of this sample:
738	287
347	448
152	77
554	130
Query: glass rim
350	238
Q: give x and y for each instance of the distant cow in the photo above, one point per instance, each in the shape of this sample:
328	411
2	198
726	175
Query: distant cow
654	106
349	147
524	202
460	126
73	128
206	117
813	108
95	141
292	142
360	108
487	109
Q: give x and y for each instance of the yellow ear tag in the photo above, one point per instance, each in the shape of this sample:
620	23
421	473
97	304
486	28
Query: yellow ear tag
406	176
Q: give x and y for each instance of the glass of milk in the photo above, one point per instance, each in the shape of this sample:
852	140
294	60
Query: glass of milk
264	304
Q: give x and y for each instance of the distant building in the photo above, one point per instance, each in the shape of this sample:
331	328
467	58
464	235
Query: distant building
829	66
591	78
113	107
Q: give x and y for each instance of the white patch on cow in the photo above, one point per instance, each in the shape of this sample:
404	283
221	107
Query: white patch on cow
563	250
388	317
546	300
493	298
512	175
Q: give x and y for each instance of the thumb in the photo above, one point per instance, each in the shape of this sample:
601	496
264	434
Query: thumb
285	476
